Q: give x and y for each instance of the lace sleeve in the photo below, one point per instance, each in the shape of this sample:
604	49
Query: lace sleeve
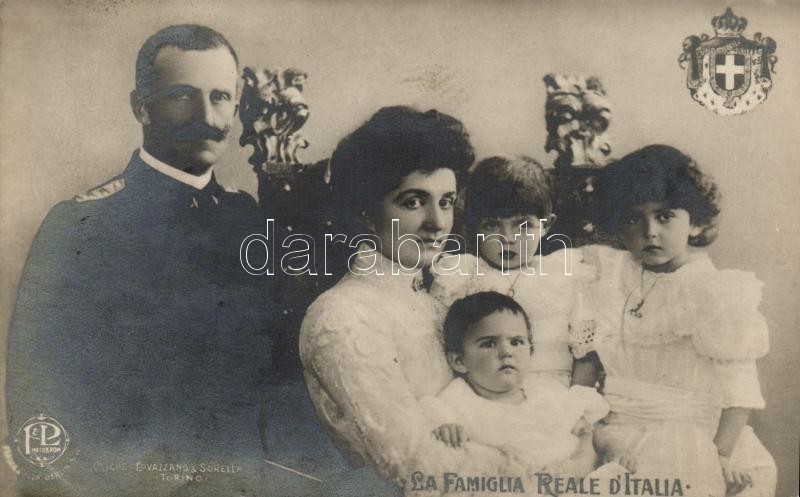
582	325
740	386
592	261
358	386
732	328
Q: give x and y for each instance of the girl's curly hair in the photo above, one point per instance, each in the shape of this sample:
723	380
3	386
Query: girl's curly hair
658	173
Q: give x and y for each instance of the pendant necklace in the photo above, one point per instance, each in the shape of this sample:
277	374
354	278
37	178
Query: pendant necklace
636	311
510	291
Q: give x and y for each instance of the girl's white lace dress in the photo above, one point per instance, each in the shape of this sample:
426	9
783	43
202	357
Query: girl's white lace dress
676	349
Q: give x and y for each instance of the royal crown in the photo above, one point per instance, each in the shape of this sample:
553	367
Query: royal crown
728	25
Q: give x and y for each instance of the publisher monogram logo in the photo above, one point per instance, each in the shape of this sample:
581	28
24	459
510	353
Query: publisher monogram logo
41	440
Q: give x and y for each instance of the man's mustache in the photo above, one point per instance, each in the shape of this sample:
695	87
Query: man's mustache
196	131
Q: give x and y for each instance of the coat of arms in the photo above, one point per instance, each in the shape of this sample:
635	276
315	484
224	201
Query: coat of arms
729	74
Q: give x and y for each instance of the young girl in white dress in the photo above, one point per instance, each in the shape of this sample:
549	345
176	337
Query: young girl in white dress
508	209
676	338
494	401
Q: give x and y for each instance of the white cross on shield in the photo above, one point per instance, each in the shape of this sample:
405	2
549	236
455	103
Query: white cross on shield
730	71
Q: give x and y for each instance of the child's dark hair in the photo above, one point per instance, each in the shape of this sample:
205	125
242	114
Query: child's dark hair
658	173
506	186
469	310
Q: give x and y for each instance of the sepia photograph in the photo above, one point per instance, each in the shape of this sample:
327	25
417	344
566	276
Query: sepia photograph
375	248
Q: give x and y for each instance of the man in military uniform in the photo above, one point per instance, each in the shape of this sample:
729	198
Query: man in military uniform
139	348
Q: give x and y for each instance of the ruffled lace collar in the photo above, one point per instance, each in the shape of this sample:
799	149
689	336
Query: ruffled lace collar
718	309
697	265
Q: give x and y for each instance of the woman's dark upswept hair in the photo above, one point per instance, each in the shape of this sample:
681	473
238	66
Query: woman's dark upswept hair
658	173
467	311
396	141
506	186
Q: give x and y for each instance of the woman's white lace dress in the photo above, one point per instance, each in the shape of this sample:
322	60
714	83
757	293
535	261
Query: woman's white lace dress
371	348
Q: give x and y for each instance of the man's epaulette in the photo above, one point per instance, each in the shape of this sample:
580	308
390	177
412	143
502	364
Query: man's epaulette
103	191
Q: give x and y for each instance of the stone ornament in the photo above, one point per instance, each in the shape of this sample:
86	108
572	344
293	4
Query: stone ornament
577	113
272	110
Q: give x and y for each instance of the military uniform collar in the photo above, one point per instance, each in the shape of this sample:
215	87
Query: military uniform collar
196	182
158	187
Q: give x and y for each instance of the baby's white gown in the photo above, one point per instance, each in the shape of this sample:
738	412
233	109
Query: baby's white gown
547	296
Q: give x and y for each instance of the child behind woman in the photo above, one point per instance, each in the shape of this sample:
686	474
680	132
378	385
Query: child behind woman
676	337
495	402
508	204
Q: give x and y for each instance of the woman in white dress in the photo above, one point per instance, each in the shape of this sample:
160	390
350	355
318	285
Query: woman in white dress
372	345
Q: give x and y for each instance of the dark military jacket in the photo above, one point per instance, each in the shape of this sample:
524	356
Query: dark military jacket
172	371
138	331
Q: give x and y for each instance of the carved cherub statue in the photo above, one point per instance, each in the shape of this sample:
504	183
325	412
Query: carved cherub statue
577	114
272	110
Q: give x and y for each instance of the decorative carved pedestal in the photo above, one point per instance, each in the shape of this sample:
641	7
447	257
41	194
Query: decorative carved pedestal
577	113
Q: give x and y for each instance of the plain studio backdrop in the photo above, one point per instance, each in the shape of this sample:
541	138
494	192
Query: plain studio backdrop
66	69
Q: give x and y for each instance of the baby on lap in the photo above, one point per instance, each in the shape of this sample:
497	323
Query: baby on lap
494	401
